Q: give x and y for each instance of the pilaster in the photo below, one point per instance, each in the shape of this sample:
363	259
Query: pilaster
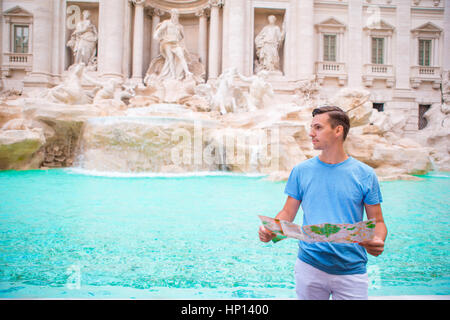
138	40
214	41
403	60
40	75
355	29
111	35
305	39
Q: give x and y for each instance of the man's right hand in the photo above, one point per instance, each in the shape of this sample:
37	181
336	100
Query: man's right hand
265	235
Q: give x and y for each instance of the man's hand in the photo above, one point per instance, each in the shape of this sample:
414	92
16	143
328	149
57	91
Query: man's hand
265	235
287	213
375	247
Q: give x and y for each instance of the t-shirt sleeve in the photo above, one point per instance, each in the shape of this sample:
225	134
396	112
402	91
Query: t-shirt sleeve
373	192
292	188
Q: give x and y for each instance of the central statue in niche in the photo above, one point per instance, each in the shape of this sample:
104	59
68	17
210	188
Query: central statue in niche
268	43
170	35
174	73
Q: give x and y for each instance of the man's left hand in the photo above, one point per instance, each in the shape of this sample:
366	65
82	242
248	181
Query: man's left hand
375	247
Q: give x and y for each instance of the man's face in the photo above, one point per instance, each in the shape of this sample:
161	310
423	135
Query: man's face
322	134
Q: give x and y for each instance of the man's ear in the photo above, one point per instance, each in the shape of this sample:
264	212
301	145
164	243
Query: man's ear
340	130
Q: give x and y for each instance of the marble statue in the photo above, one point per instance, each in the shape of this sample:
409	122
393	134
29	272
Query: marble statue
70	91
224	98
106	91
260	91
267	44
113	92
307	92
83	41
170	35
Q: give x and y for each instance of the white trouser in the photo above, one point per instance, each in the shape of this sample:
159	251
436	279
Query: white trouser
314	284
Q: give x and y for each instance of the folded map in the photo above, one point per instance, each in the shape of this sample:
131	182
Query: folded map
324	232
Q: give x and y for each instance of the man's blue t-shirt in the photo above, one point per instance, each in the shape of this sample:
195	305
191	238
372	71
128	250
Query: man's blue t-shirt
333	193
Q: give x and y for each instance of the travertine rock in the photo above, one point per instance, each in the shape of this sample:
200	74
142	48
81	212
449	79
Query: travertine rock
356	103
194	135
18	149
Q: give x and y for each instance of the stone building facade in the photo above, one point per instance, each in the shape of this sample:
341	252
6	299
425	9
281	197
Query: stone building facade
396	49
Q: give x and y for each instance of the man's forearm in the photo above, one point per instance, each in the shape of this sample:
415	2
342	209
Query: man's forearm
289	210
381	230
285	215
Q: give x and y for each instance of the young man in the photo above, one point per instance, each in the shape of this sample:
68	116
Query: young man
334	188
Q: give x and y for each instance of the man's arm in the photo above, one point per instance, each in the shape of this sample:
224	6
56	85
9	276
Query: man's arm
288	213
289	210
375	246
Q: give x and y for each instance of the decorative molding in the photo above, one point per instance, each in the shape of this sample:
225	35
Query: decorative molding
381	28
216	3
202	13
156	12
183	6
18	14
331	25
428	29
137	2
17	11
421	74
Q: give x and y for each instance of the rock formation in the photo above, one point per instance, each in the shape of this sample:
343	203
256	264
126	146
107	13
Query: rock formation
234	123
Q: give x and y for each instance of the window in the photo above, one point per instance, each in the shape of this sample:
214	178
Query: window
329	47
422	120
424	52
330	34
378	50
378	106
21	39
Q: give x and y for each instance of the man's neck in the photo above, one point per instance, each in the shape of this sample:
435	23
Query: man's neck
334	155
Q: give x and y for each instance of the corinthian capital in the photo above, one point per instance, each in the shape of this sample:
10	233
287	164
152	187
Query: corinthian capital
217	3
201	13
155	12
137	2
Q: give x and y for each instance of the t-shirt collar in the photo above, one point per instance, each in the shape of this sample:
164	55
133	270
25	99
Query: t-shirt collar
331	165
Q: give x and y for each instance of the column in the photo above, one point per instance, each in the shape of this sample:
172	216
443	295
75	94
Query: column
154	47
234	29
1	43
446	58
355	25
138	40
290	42
214	50
404	98
56	38
403	61
305	39
202	36
110	42
389	50
40	75
415	47
368	47
320	46
436	52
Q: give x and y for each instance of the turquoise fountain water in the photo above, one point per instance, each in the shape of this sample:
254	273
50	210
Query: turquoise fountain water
66	234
